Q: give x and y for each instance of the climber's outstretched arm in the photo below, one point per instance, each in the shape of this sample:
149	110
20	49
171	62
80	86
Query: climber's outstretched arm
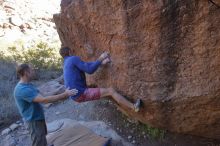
90	67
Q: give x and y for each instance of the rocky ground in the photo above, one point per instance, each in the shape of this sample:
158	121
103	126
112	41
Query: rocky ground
27	22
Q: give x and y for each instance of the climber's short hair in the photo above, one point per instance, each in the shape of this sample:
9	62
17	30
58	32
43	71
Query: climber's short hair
65	51
21	69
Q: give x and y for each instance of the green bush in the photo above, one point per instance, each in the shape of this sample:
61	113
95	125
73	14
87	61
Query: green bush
153	133
8	110
41	56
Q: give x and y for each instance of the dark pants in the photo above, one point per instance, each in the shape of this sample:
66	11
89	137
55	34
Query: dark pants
38	131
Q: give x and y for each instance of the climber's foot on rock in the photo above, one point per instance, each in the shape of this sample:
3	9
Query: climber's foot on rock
137	105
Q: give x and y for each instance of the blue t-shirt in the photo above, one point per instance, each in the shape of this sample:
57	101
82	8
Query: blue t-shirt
74	70
24	93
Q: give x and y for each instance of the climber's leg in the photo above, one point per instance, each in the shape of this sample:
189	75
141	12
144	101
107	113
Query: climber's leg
97	93
119	99
89	95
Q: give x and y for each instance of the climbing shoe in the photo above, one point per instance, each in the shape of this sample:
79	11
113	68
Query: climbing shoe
137	105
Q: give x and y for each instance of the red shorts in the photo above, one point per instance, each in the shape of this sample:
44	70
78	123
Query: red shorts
89	95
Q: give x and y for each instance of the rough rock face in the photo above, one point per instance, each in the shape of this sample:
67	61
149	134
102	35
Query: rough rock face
166	52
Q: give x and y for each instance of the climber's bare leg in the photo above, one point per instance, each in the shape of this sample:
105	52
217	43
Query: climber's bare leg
117	97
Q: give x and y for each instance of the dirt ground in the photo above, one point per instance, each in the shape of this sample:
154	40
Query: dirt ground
131	131
106	111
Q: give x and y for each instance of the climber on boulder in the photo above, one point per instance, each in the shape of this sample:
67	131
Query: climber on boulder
74	70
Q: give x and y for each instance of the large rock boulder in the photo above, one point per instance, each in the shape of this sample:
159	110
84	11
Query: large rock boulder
166	52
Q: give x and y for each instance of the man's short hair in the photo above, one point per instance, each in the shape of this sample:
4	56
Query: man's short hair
65	51
21	69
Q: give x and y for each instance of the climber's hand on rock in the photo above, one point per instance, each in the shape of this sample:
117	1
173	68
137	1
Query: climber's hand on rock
103	56
106	61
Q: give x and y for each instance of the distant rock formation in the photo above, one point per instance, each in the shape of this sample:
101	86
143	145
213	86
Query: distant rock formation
166	52
28	21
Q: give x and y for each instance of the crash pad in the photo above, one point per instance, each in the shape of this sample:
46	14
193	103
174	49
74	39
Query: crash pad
77	135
